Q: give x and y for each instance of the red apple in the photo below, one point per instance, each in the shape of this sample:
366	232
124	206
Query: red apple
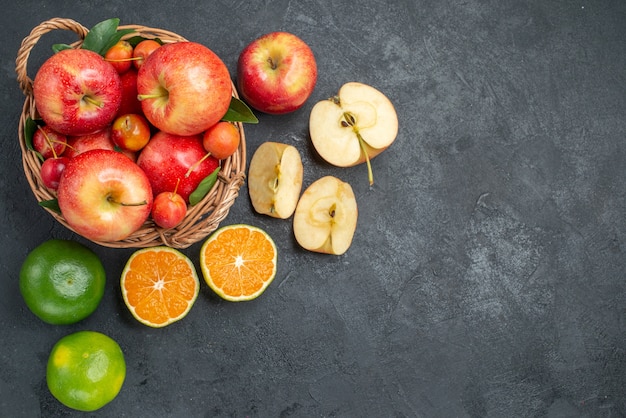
276	73
77	92
51	170
97	140
169	209
48	142
104	196
184	88
169	159
130	103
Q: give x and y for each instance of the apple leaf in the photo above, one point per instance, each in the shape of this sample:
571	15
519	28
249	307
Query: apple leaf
204	187
60	47
134	40
238	111
51	204
100	38
104	35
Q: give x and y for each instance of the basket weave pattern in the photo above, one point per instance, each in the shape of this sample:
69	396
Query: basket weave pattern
202	218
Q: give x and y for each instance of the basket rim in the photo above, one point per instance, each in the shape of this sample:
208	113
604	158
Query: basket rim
201	219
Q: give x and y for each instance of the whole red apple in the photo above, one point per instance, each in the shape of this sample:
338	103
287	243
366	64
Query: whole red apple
104	196
169	159
77	92
276	73
184	88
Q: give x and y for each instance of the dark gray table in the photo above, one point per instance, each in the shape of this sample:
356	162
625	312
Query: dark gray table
486	277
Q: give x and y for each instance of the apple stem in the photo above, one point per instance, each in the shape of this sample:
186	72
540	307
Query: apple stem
350	120
370	174
93	101
112	200
142	203
141	97
196	164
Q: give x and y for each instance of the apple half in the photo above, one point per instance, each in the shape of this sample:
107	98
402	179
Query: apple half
354	126
275	179
326	216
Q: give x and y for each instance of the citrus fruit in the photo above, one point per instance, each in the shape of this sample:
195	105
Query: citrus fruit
85	370
238	262
159	285
62	281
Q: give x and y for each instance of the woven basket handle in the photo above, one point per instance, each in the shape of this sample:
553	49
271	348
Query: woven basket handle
28	43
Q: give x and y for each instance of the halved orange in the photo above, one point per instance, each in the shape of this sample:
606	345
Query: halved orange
159	285
238	262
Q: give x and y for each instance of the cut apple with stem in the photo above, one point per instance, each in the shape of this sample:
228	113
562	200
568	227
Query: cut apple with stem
354	126
326	216
275	179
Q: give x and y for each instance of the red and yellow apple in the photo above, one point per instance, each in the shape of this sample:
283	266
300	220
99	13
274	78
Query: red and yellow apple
184	88
176	163
77	92
104	196
276	73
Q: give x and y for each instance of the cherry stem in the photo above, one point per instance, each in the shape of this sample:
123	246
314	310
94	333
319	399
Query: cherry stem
196	164
49	141
123	59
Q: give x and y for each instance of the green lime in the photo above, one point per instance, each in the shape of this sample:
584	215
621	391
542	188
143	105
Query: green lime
62	281
86	370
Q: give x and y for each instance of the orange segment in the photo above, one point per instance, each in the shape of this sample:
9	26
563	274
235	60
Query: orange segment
159	285
238	262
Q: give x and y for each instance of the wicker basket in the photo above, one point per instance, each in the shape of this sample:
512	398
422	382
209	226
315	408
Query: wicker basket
202	218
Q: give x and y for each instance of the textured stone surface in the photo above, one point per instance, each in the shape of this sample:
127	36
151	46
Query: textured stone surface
486	277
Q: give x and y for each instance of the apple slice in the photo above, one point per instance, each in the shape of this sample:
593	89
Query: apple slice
354	126
275	179
326	216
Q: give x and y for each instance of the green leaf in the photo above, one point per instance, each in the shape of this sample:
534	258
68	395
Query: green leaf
204	187
238	111
51	204
60	47
104	35
134	40
30	127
